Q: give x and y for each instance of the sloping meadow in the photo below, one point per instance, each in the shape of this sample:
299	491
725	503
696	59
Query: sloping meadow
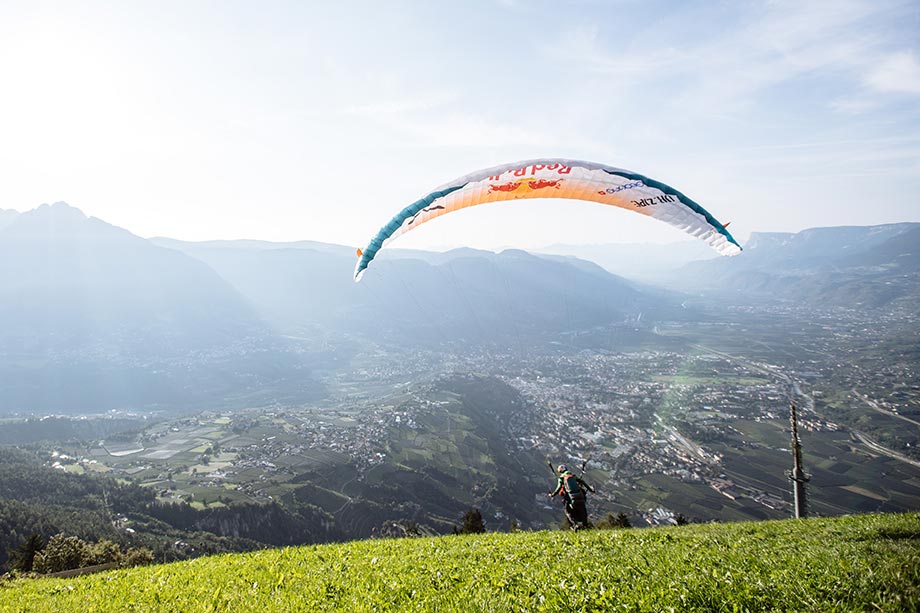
861	563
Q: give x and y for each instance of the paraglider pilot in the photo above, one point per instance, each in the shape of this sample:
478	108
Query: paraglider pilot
574	490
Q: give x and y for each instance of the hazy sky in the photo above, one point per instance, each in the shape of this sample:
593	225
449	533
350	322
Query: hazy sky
319	120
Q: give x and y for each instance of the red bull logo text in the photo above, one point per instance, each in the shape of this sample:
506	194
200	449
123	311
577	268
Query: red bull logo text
561	169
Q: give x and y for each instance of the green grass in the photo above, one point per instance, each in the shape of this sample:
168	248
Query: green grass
862	563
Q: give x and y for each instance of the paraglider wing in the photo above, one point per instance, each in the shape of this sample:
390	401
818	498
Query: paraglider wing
557	178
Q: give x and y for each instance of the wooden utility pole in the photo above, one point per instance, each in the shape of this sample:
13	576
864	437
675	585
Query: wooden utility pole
798	477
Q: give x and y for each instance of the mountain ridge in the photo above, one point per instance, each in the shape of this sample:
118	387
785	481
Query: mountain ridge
113	319
76	290
871	266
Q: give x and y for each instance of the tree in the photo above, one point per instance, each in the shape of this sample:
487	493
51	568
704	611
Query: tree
412	528
103	552
68	553
620	520
472	523
23	556
137	556
681	520
61	553
399	529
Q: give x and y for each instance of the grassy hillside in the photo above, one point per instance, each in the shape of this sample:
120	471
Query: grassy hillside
860	563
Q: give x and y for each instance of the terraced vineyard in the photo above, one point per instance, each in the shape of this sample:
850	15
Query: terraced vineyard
869	562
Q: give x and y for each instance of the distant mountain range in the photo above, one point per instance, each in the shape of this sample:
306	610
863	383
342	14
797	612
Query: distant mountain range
648	262
98	318
856	266
66	277
7	217
460	296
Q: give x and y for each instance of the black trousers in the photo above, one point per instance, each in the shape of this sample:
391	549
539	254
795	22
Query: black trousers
576	512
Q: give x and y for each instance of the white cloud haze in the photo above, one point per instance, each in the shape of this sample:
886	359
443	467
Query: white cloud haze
295	120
